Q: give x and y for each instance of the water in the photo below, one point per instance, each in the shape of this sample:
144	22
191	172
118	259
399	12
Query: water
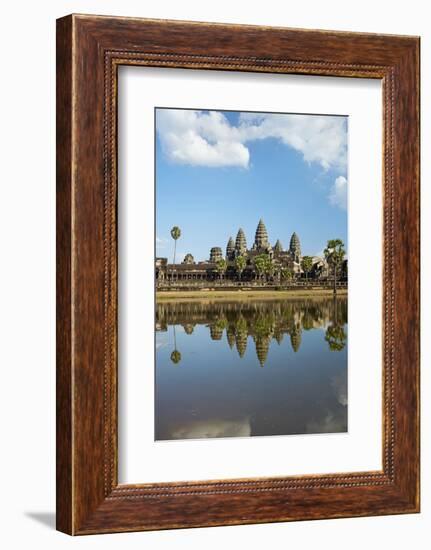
250	368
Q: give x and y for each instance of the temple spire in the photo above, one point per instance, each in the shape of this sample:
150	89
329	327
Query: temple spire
230	249
261	237
240	243
278	247
295	247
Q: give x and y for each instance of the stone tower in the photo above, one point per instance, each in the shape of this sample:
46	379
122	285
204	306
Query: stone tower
240	243
230	249
278	247
295	248
261	243
188	259
261	237
215	254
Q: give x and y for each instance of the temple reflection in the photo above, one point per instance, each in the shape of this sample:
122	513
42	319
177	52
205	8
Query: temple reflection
244	323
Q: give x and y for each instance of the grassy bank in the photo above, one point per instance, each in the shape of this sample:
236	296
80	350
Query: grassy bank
188	295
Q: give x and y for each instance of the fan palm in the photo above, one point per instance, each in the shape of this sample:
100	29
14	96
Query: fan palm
175	234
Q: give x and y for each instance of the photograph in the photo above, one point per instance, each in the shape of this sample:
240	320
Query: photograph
251	273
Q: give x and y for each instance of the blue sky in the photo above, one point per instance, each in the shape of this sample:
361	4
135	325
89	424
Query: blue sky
217	171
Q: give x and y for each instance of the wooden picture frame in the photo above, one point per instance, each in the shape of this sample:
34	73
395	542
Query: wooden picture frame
89	51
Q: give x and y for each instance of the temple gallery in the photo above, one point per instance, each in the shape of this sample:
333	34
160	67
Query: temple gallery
262	265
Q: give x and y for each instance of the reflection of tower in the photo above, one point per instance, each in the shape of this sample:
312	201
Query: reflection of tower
262	348
188	328
241	342
216	332
230	249
230	335
240	243
162	325
278	335
295	338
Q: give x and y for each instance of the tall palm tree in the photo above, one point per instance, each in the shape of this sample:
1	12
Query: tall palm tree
334	255
175	234
175	355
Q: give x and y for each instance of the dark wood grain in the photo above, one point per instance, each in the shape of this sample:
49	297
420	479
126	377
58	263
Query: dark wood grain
90	49
64	496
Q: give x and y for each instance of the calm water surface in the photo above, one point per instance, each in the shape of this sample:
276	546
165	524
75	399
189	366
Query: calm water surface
251	368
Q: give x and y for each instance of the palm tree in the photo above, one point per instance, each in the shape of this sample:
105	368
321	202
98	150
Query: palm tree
175	234
334	255
336	337
175	355
307	264
240	263
221	267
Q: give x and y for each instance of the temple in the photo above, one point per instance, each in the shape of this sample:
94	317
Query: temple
280	263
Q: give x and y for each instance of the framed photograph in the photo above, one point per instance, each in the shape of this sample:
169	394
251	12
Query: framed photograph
237	274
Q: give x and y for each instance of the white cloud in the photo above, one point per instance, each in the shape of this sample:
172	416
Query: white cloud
321	139
161	340
202	138
338	194
339	383
212	428
331	423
